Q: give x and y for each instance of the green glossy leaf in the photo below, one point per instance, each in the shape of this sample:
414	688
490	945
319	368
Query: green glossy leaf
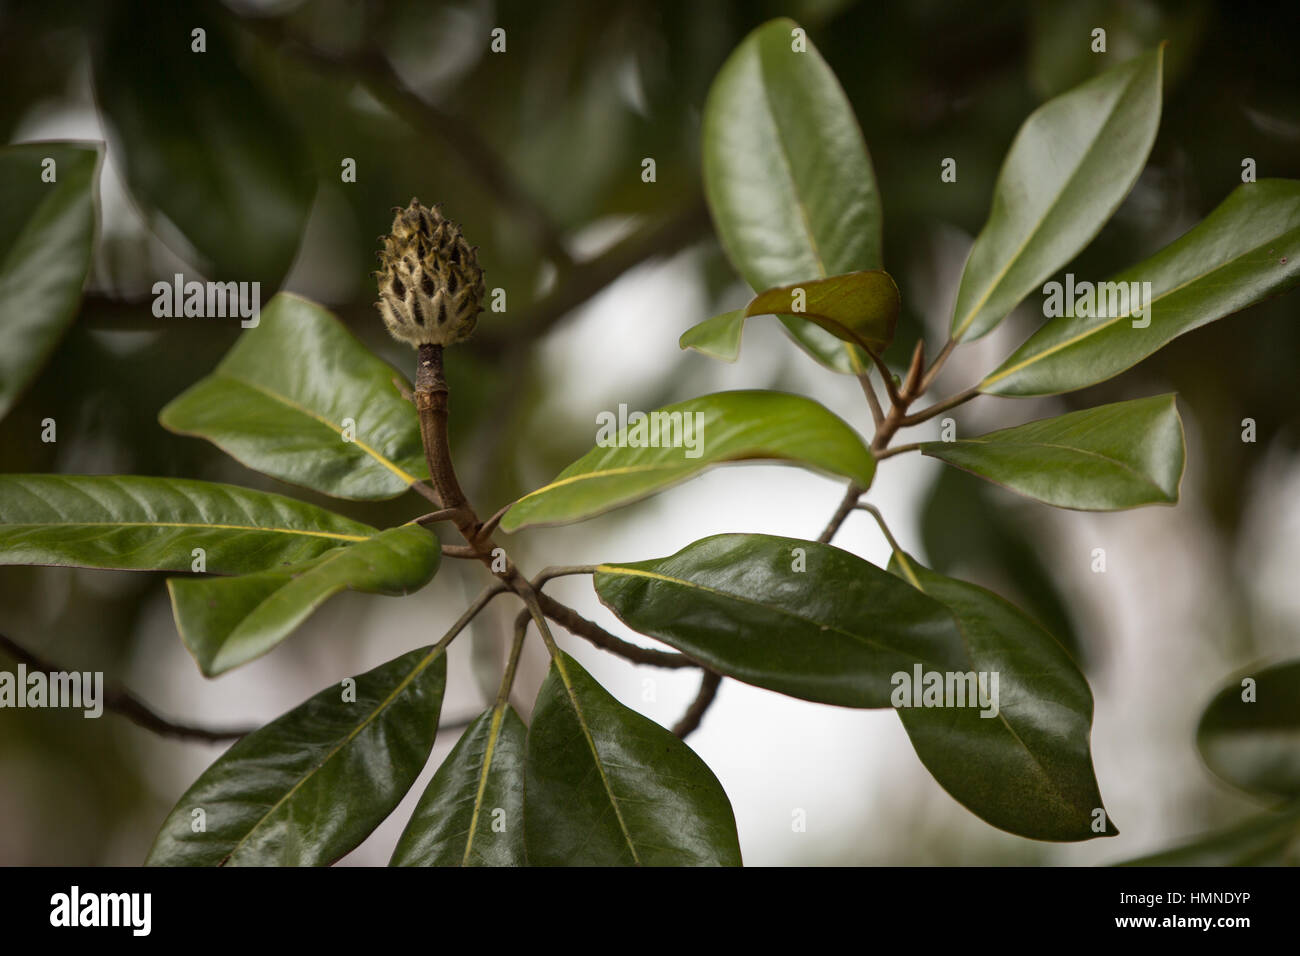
138	523
860	307
793	616
1074	160
281	399
1246	250
1116	456
718	337
311	785
609	787
472	813
1019	756
1268	839
728	427
1255	743
226	622
46	234
201	141
787	174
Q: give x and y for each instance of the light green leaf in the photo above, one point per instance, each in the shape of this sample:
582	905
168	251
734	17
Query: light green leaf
311	785
478	787
201	141
609	787
1250	733
797	617
138	523
1074	160
787	175
1267	839
47	230
718	337
1245	251
1014	750
282	399
705	431
226	622
860	307
1107	458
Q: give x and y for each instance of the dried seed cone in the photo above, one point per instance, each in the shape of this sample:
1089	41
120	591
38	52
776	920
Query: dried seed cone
430	283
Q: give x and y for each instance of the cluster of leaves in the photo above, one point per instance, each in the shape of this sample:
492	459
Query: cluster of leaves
793	196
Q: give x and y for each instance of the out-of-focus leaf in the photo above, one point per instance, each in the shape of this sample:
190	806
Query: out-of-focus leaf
1246	250
1017	755
1107	458
226	622
287	397
787	174
718	337
46	233
1268	839
201	141
609	787
472	813
1250	733
793	616
312	784
687	438
969	531
1074	160
139	523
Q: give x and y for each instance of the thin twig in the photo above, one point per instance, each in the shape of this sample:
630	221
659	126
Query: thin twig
561	571
897	450
893	544
433	517
695	713
877	415
575	623
120	701
851	496
891	389
939	407
489	526
933	371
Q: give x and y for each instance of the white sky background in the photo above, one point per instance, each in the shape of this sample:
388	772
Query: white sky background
867	799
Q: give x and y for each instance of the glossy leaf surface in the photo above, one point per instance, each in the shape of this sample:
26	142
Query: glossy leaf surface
1116	456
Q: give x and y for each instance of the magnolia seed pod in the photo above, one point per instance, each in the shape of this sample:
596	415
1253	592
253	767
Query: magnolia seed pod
430	283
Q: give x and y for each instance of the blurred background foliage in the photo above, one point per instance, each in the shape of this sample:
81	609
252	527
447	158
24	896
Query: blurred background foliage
228	165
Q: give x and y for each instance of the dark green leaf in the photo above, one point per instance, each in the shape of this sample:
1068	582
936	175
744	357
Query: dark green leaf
1246	250
609	787
860	307
46	234
201	141
154	524
1100	459
787	174
1074	160
226	622
727	427
794	616
718	337
1250	734
1269	839
472	813
1022	762
281	399
312	784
